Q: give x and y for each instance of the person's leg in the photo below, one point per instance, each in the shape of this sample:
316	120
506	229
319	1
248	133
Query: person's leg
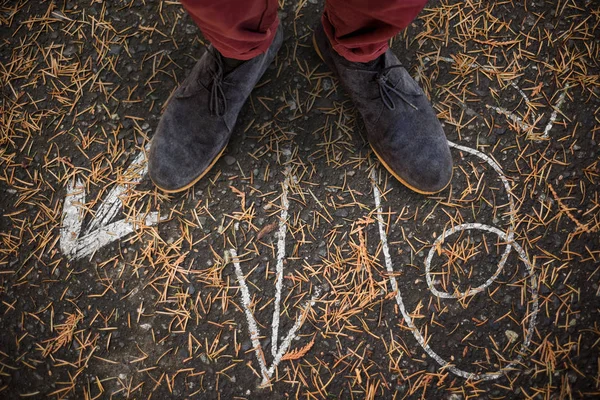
239	29
401	126
360	30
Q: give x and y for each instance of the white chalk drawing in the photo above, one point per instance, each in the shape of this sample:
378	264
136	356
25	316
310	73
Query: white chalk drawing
559	103
524	126
277	349
510	244
517	120
101	231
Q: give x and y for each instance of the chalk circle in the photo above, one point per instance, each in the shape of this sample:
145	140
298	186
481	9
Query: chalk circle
511	244
482	287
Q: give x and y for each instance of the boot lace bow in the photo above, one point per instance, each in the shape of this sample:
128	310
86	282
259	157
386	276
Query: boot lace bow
386	90
217	104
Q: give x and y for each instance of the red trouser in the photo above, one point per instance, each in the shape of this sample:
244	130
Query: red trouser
359	30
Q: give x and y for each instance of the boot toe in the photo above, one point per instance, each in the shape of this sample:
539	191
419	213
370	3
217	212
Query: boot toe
421	161
433	175
165	166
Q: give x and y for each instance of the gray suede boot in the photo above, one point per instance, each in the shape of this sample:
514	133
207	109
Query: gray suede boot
402	127
199	118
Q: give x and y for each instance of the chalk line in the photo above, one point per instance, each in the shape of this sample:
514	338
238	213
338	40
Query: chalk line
252	327
280	256
72	216
559	103
524	126
98	238
287	341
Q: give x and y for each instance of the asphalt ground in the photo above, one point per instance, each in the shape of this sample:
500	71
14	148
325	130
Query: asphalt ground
298	267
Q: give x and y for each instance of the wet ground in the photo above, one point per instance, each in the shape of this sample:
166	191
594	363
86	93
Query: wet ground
298	267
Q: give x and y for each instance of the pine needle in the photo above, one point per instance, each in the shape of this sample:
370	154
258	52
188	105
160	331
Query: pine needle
298	353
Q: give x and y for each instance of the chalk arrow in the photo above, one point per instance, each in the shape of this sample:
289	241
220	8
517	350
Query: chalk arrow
517	120
101	231
278	350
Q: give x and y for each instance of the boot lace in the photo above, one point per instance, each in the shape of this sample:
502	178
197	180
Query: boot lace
386	89
217	102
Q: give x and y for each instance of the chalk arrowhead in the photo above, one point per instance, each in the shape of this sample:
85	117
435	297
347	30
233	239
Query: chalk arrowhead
278	349
101	231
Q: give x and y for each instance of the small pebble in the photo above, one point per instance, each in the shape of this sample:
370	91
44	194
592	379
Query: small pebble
512	336
229	160
115	49
342	212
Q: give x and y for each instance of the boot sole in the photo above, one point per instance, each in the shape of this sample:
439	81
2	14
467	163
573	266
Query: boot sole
192	183
402	181
390	170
